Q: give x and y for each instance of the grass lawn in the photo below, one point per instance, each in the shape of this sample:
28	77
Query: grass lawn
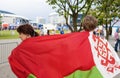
8	34
12	34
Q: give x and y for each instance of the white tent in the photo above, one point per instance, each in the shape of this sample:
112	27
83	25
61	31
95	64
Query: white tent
49	26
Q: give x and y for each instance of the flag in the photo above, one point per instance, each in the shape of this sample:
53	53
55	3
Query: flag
73	55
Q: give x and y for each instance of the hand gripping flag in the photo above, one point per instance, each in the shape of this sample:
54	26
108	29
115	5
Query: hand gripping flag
75	55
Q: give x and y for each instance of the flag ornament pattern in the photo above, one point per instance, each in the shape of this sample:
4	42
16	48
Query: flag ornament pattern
105	58
74	55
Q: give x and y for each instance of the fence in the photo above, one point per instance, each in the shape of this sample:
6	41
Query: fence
5	50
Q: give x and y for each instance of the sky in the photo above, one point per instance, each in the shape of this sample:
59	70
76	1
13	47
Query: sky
27	8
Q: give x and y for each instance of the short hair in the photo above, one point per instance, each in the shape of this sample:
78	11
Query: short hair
89	23
27	29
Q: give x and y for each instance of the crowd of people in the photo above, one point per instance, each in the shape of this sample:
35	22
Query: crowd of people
99	31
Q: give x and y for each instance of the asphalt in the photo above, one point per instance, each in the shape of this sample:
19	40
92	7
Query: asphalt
5	70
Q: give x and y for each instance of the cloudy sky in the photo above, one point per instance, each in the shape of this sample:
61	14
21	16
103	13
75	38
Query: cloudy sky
27	8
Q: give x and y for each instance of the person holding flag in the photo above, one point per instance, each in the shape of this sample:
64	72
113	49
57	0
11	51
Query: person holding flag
26	31
72	55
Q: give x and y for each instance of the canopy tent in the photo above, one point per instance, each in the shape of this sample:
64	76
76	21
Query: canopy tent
4	25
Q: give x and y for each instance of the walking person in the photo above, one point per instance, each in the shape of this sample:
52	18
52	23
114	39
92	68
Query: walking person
117	39
61	30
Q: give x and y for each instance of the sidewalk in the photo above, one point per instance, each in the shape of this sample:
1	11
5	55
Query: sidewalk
5	71
112	42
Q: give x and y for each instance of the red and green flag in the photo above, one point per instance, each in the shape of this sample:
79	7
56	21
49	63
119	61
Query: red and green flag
74	55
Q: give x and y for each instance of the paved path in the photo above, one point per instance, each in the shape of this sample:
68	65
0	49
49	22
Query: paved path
5	71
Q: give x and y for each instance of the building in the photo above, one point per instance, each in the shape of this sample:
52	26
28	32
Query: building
40	20
12	19
55	18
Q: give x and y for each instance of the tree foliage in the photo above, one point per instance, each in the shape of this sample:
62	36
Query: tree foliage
71	8
0	21
105	10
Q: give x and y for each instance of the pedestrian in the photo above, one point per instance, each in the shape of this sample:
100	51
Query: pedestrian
45	30
41	31
26	31
61	30
117	39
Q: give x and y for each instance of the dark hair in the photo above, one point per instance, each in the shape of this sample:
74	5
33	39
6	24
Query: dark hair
27	29
89	23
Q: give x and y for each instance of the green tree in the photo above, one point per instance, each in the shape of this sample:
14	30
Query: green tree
0	22
106	11
71	8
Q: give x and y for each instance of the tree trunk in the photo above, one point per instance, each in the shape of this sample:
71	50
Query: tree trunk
66	18
110	30
107	30
75	22
107	34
